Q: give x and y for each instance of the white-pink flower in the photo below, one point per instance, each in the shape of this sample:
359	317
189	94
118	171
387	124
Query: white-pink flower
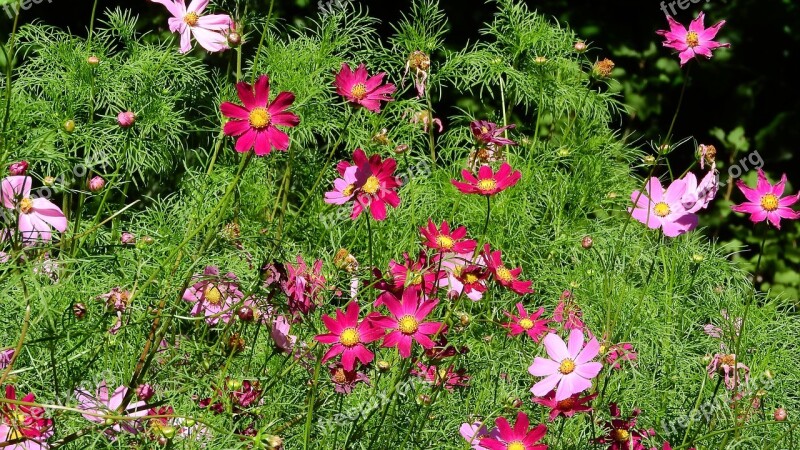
95	406
699	195
207	30
570	367
37	216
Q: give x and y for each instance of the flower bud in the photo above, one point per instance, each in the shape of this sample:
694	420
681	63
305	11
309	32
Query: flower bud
18	168
603	68
49	181
697	258
69	126
587	242
96	184
234	39
275	442
79	310
168	431
127	238
93	60
246	313
383	366
464	319
144	392
540	60
424	399
649	159
580	46
780	414
126	119
233	384
400	149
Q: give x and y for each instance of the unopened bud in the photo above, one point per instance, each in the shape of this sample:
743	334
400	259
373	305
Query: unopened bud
96	184
18	168
79	310
126	119
780	414
93	60
69	126
234	39
580	46
587	242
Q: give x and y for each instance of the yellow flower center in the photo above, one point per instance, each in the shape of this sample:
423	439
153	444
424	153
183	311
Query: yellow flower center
260	118
471	278
445	242
504	274
566	404
212	295
359	91
26	205
516	445
487	185
339	376
372	185
457	270
769	202
408	324
728	360
442	374
526	323
349	189
692	39
484	130
567	366
349	337
191	19
620	435
661	209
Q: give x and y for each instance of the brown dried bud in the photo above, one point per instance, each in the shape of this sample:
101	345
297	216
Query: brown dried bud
79	311
603	68
587	242
419	60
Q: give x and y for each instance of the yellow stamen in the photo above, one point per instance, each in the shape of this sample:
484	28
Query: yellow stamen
191	19
487	185
339	376
445	242
620	435
359	91
372	185
471	278
661	209
692	39
349	189
260	118
212	295
504	274
26	205
567	366
408	324
516	445
769	202
349	337
526	323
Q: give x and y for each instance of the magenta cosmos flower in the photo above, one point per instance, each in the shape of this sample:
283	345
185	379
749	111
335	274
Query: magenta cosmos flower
371	185
36	215
568	407
527	323
488	182
520	437
256	122
100	404
24	424
697	40
360	89
487	132
570	366
464	277
622	433
407	321
420	275
207	30
214	296
448	377
663	209
508	278
304	286
348	337
444	240
765	202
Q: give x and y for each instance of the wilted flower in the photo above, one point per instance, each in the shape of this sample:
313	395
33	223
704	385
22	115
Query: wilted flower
699	195
420	63
447	377
18	168
708	155
620	352
304	286
239	394
567	407
603	68
116	299
727	365
5	357
489	133
345	380
207	29
424	117
144	392
697	40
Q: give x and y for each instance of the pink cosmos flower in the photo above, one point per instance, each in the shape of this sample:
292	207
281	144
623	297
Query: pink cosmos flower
24	424
238	394
520	437
360	89
699	195
568	407
487	133
474	432
214	296
344	188
527	323
569	367
508	278
622	433
765	202
620	352
348	337
418	275
443	239
126	119
344	381
568	313
36	215
279	331
95	406
729	366
375	185
447	377
407	321
464	277
304	286
663	209
256	123
207	30
697	40
488	182
5	357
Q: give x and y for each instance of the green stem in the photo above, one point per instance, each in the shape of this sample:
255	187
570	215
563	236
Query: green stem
9	54
312	398
486	222
369	233
261	42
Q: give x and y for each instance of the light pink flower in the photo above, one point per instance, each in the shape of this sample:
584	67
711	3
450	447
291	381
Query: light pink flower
344	188
126	119
36	215
474	432
663	209
5	357
569	367
213	295
699	195
94	406
279	330
697	40
208	30
765	202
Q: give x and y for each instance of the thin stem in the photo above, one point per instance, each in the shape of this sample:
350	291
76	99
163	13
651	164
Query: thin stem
486	222
369	233
9	54
261	42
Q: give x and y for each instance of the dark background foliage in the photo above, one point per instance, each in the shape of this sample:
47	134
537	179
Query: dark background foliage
743	100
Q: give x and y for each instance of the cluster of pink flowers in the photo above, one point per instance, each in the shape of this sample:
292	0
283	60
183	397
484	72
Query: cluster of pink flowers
673	209
369	183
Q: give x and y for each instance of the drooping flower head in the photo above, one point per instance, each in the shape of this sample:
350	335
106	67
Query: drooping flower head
735	372
304	286
487	133
371	185
360	89
488	182
420	63
568	407
508	278
527	323
256	123
570	368
617	353
766	202
36	215
5	357
444	240
407	324
214	296
25	424
622	433
209	30
520	437
419	275
474	432
697	40
348	337
101	403
658	208
448	376
699	195
344	381
568	313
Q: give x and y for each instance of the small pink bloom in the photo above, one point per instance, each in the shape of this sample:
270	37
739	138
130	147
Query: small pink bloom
279	331
304	286
488	182
407	321
344	188
18	168
36	215
348	337
145	392
344	381
373	187
569	367
360	89
214	296
697	40
126	119
508	278
5	357
568	407
127	238
568	313
699	195
622	433
766	202
487	133
529	324
618	353
520	437
101	403
729	366
418	275
256	123
663	209
474	432
447	377
443	239
208	30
